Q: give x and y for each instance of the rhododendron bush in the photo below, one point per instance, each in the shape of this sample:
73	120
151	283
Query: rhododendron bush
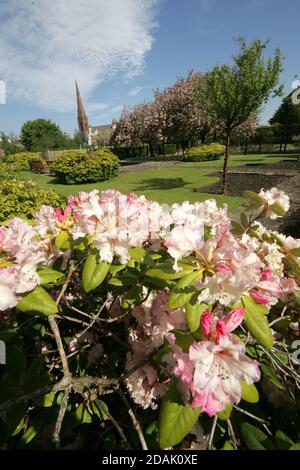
129	324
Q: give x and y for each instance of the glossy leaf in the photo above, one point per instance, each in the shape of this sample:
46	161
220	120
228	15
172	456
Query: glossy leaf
38	302
257	324
249	392
49	275
93	273
175	419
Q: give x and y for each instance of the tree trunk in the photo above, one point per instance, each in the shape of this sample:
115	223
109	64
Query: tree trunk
151	150
285	144
246	146
226	156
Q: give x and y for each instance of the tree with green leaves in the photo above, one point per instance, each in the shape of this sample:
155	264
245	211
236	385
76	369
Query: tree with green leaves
10	143
235	93
288	117
42	134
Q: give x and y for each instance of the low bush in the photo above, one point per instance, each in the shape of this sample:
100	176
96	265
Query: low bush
24	198
131	152
21	161
9	172
204	152
76	166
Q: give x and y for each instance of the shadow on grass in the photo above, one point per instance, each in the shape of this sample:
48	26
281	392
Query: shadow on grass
161	183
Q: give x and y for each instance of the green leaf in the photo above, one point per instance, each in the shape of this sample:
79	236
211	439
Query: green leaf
166	271
184	339
252	306
97	410
225	414
45	401
244	220
193	315
227	446
283	441
297	297
14	417
253	197
115	268
183	290
237	229
137	253
38	302
292	266
256	322
27	437
278	209
296	252
93	273
271	376
49	275
295	446
175	419
255	439
82	414
63	240
249	392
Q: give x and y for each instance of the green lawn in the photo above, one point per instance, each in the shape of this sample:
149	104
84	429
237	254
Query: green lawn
167	184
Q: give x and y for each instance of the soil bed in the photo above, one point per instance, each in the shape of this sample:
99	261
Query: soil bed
238	182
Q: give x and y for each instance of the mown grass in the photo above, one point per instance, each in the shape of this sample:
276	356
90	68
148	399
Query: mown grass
166	184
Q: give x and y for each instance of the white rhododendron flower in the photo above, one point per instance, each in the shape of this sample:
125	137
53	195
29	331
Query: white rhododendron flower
274	196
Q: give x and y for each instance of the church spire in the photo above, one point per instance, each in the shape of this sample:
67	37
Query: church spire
83	123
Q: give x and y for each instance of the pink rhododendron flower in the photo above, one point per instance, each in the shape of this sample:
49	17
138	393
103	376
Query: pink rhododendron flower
214	372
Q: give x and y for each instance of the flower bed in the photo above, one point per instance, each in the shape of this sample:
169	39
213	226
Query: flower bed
177	308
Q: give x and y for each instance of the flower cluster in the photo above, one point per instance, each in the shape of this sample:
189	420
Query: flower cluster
199	281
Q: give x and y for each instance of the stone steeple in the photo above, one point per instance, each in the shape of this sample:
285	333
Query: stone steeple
82	119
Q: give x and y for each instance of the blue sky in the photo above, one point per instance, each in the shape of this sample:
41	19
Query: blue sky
120	50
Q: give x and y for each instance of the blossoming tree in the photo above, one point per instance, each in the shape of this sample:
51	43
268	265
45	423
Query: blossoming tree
174	315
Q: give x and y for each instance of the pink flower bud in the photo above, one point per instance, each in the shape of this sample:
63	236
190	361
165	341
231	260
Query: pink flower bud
223	268
266	275
234	318
258	297
67	211
270	287
206	323
221	330
59	214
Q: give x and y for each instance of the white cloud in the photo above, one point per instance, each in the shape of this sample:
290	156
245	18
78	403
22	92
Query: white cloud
46	44
93	107
137	90
117	109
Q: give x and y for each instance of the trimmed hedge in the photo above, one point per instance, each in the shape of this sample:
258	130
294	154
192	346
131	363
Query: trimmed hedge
204	152
77	166
131	152
21	161
24	198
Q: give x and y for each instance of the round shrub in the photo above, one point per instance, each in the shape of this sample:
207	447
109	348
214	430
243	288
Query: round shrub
24	198
76	166
9	172
204	152
21	161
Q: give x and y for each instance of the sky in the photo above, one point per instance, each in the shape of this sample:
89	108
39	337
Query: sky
121	50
